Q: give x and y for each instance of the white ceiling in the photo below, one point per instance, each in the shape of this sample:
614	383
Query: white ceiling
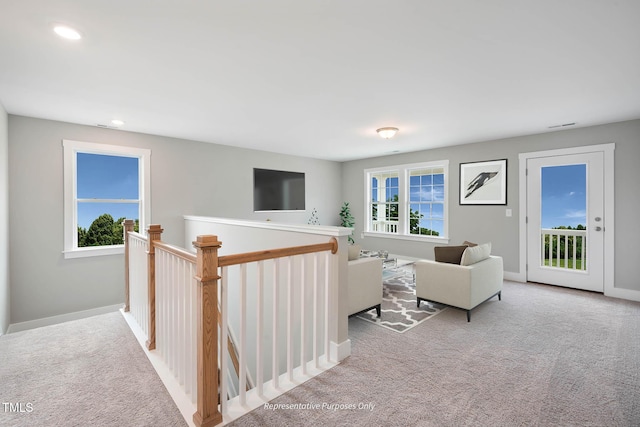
316	78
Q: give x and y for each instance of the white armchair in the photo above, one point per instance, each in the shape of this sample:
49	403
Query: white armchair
459	286
365	285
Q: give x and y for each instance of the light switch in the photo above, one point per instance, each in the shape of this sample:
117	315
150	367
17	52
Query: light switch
509	212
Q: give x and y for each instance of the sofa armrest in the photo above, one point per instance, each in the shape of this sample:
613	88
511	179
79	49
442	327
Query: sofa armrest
364	283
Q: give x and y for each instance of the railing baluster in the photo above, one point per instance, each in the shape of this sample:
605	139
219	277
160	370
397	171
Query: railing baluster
182	336
168	318
186	339
259	329
143	292
224	349
171	327
242	347
326	308
173	330
164	322
315	310
585	243
303	362
161	298
275	366
290	320
193	287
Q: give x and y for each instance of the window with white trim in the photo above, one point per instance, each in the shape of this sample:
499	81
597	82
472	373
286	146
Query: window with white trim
103	185
408	201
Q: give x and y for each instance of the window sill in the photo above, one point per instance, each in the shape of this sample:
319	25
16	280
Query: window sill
94	251
428	239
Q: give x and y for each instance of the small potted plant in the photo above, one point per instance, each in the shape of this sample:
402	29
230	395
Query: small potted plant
347	220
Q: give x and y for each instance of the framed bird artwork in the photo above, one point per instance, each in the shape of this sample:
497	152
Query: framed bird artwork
483	183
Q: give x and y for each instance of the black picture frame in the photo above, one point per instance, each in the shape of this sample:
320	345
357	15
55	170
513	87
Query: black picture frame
483	183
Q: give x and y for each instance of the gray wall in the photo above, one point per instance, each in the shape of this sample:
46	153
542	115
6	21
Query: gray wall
206	179
489	223
187	177
4	222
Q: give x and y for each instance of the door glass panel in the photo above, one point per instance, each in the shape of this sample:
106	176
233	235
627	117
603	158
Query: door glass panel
564	216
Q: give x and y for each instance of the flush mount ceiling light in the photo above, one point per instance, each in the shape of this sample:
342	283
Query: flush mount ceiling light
117	123
387	133
67	32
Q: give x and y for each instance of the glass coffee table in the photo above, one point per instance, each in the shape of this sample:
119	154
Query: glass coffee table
392	266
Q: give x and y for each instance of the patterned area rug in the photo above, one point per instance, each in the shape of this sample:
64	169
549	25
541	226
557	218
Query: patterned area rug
399	311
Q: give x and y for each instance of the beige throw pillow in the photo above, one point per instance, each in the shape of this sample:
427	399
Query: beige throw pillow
474	254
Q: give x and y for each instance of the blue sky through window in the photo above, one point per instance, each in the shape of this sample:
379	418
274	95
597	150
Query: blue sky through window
564	195
426	196
106	177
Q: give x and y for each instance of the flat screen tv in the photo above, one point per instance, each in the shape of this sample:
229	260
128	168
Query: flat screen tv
275	190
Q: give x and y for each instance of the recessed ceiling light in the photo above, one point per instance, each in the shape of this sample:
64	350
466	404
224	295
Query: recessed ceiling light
67	32
117	122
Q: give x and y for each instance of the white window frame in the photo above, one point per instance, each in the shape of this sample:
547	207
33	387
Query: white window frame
71	149
403	202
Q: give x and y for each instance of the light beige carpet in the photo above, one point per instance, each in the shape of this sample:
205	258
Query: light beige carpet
89	372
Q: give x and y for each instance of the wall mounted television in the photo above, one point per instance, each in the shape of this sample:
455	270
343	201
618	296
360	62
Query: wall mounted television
275	190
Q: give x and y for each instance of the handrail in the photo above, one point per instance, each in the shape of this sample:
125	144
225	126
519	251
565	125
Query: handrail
227	260
235	259
179	252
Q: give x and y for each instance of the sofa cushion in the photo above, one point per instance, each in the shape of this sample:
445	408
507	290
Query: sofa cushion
450	254
474	254
468	243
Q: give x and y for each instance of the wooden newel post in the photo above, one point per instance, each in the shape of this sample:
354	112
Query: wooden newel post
154	233
207	277
127	226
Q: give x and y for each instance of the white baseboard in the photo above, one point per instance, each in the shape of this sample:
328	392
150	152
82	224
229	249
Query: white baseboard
628	294
53	320
339	352
514	277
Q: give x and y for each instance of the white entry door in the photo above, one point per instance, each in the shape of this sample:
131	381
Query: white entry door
565	220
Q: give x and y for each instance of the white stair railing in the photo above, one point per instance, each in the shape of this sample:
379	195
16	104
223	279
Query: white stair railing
282	309
176	315
176	304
